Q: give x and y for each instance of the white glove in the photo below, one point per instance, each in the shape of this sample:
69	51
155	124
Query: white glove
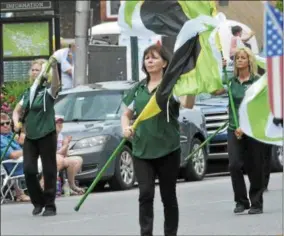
39	165
59	54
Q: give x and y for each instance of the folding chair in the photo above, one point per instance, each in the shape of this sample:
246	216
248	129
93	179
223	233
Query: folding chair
8	179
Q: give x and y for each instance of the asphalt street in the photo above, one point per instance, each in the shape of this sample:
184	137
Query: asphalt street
205	209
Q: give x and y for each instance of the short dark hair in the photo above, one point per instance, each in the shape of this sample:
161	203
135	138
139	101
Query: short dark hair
236	29
162	51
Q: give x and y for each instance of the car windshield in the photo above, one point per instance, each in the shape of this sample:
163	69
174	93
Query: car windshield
89	106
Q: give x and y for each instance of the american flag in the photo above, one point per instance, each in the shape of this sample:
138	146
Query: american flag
273	24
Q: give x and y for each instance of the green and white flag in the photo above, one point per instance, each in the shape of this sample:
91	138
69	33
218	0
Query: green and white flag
197	55
196	66
147	18
261	62
256	119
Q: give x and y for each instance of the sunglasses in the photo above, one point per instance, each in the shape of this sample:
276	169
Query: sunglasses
5	123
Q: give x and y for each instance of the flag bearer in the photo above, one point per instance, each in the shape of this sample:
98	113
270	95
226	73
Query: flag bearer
37	106
155	143
245	153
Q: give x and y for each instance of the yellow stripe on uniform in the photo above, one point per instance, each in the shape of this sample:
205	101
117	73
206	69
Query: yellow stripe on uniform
150	110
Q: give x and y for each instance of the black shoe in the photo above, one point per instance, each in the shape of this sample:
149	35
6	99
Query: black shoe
49	212
37	210
240	208
255	210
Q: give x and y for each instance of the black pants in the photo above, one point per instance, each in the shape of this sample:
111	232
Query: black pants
166	169
247	154
267	165
45	148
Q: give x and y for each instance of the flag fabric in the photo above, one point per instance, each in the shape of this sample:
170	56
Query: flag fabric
36	83
196	66
261	62
256	119
273	24
163	17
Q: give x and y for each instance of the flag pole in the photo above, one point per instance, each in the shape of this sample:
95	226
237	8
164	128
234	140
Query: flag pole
98	177
142	116
207	140
231	97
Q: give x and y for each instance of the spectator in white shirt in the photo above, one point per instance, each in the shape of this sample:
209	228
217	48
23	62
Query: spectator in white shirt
66	57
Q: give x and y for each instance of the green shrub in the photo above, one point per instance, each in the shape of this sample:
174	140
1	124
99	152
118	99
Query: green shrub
11	93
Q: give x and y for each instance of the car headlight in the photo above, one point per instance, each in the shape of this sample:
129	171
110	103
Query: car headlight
91	142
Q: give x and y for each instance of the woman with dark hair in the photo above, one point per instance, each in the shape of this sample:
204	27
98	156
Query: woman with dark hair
155	143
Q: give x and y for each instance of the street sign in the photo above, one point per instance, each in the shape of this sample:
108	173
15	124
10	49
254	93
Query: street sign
26	6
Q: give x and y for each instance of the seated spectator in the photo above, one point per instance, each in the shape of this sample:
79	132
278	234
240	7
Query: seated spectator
238	41
72	163
14	152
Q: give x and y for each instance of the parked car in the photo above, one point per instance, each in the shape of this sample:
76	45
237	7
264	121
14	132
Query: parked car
215	110
92	117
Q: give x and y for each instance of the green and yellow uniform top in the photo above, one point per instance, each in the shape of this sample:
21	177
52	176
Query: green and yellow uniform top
238	91
156	136
40	120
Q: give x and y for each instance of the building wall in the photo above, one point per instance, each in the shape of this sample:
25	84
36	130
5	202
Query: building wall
246	12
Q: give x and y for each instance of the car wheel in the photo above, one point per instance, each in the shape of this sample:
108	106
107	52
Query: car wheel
124	176
277	158
197	165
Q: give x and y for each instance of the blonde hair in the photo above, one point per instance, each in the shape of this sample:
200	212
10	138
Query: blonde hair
251	61
40	62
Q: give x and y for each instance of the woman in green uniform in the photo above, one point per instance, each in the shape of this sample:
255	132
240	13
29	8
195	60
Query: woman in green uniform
155	143
40	138
245	153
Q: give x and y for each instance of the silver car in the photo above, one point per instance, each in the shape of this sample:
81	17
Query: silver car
92	117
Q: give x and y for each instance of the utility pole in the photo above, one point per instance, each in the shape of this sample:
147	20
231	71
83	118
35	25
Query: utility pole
134	58
57	25
81	41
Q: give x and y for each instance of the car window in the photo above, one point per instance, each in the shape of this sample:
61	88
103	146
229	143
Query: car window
62	104
95	105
